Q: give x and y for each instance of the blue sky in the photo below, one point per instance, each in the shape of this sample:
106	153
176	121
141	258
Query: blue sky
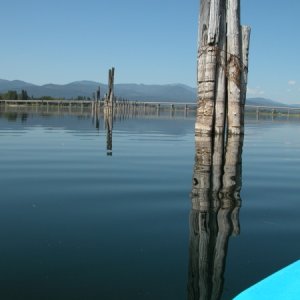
147	41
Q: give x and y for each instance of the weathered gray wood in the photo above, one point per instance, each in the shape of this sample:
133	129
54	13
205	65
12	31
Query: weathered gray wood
199	256
245	42
223	48
215	180
193	272
98	95
232	170
217	169
220	251
111	85
207	65
221	89
109	96
108	121
202	174
203	21
234	67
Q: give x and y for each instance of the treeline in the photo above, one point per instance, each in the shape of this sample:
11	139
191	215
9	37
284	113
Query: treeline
23	95
13	95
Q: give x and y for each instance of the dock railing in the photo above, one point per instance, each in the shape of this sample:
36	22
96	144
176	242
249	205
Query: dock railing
139	107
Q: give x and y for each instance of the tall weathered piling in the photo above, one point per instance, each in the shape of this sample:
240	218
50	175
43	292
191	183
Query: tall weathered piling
108	110
222	68
98	95
110	93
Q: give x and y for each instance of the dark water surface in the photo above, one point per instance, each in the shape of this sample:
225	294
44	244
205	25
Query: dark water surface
76	223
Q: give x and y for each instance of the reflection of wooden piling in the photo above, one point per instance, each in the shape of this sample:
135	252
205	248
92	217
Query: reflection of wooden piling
202	174
214	213
97	119
108	120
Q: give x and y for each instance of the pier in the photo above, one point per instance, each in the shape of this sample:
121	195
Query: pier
123	108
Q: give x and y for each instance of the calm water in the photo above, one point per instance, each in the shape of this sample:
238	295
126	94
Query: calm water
79	223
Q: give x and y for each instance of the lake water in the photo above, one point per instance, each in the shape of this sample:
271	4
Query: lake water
84	215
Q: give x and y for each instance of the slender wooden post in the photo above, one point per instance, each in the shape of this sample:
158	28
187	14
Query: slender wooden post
221	88
208	48
98	94
245	42
111	75
158	109
234	67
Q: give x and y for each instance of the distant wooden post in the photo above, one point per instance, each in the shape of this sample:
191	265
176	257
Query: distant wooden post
222	68
158	109
108	110
110	94
98	94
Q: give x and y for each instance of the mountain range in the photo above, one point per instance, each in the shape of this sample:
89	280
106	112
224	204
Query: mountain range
135	92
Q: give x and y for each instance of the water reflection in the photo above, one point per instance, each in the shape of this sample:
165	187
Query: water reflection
108	120
214	216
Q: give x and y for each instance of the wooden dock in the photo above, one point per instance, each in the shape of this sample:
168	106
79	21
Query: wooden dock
133	108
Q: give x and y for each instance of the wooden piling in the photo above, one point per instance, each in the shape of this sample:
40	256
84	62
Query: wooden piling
110	95
221	80
222	68
108	110
207	65
245	42
234	67
98	95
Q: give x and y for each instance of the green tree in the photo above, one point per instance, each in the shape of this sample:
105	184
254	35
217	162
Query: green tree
80	98
11	95
24	95
47	98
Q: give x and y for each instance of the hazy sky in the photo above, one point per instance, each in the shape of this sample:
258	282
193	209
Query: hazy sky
147	41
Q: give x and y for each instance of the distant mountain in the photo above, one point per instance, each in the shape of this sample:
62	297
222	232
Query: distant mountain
135	92
264	102
152	93
6	85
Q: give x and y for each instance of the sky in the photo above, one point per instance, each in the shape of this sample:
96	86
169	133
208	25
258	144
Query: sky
147	41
